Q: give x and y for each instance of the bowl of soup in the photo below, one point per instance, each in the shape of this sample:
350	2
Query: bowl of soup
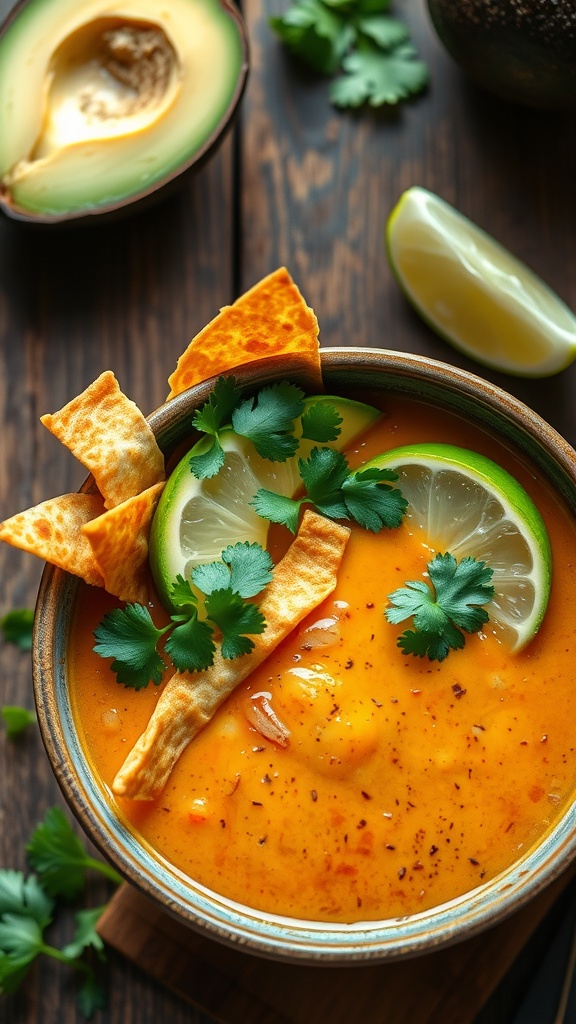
389	804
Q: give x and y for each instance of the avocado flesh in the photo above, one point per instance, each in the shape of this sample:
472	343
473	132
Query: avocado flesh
96	107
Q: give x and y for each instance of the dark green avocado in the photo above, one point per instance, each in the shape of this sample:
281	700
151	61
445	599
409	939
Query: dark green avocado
521	50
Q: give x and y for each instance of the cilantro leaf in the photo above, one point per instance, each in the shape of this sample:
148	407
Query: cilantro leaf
207	457
268	418
277	508
453	603
60	859
376	77
85	936
182	593
250	568
217	411
25	910
16	627
371	501
91	996
191	645
361	39
19	895
17	720
235	618
363	495
321	422
129	636
315	33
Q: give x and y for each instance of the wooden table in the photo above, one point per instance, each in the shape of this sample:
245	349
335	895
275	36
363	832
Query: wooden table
299	184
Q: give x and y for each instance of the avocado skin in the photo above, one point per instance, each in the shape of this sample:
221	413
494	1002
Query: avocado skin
521	50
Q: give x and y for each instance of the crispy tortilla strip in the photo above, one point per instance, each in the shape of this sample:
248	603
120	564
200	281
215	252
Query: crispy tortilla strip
106	431
53	531
302	580
271	321
119	541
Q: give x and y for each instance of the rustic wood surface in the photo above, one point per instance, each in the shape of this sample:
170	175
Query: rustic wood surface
299	184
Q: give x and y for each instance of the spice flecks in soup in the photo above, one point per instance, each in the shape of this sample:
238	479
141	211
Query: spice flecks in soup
403	782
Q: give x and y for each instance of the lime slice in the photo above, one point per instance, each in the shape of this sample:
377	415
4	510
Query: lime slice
475	293
462	502
196	519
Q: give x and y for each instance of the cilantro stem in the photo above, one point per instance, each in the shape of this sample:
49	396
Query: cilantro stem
70	961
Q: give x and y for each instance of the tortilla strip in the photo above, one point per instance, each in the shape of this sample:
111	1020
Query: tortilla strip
119	541
53	531
304	577
270	321
106	431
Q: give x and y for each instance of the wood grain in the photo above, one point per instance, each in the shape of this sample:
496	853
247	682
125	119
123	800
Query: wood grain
300	184
449	986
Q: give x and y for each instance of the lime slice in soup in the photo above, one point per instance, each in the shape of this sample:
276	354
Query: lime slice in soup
196	519
462	502
475	293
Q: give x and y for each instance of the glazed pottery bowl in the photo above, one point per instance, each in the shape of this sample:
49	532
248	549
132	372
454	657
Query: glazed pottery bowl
361	372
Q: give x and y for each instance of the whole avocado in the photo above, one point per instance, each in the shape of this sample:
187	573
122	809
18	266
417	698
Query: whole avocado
522	50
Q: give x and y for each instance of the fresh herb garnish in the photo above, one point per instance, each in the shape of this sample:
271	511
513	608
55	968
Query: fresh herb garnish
60	859
360	38
128	635
270	420
16	627
16	719
338	493
441	611
28	904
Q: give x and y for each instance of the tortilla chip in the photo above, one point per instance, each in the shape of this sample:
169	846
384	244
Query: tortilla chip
304	577
53	531
271	321
106	431
119	543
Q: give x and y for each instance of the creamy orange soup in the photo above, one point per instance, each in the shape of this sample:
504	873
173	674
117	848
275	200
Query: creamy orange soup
405	782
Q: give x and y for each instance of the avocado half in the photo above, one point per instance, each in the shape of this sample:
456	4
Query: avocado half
102	104
524	51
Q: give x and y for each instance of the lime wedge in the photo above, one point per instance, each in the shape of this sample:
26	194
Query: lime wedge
475	293
196	519
462	502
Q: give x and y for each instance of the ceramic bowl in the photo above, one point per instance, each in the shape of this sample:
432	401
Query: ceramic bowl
362	370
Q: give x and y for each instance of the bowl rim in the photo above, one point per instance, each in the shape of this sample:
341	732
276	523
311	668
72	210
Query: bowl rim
267	935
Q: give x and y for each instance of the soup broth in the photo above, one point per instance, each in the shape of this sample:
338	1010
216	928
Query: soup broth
404	782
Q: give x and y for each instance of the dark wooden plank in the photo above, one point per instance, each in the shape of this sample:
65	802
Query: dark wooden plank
317	186
126	296
318	192
448	986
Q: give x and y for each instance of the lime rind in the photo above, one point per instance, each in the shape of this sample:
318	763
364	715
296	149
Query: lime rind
474	293
463	502
196	519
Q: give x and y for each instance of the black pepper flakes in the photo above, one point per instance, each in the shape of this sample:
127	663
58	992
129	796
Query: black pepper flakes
458	691
314	795
401	873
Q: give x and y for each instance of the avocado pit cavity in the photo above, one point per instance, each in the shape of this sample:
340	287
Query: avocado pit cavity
107	79
100	107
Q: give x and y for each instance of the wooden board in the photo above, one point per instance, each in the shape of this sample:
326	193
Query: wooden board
446	987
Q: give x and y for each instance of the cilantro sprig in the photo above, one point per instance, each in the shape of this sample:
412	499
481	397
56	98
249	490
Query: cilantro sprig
268	419
129	636
336	491
362	40
28	906
16	719
16	627
440	611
